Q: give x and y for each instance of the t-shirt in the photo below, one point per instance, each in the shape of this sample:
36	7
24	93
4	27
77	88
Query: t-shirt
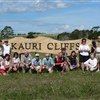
98	47
73	60
49	62
6	50
84	47
16	61
59	59
36	62
93	62
26	59
6	63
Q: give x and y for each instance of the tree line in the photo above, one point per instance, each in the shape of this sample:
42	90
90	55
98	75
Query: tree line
76	34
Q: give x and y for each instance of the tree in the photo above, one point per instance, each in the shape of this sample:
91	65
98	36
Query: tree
76	34
95	28
30	35
7	31
63	36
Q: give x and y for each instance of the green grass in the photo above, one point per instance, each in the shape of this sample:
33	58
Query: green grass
72	85
54	36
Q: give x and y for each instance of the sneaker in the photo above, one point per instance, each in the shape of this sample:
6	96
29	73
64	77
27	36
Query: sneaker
98	70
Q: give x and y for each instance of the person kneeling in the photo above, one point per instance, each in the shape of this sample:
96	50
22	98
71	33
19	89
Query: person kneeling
91	63
60	62
26	61
73	61
36	64
48	63
16	62
5	65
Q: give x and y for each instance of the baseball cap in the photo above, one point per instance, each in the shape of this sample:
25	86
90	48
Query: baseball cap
36	55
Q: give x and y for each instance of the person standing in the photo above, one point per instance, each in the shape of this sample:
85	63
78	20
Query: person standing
1	51
7	49
84	50
26	61
98	53
65	55
93	46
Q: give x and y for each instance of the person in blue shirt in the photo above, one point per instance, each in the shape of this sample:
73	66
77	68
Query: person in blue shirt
36	63
48	63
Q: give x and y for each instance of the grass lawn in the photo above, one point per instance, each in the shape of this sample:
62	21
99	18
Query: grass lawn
73	85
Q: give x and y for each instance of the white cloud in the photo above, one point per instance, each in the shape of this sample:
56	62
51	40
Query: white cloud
66	27
81	27
30	5
63	28
34	5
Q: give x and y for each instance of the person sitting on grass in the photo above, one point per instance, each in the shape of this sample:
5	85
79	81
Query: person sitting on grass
73	61
36	64
47	63
5	65
16	62
26	61
91	63
60	62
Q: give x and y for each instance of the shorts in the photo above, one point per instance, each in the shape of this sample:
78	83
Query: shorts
98	58
15	65
37	67
58	67
74	66
3	71
83	58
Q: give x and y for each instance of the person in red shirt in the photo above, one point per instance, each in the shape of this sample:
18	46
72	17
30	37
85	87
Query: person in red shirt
5	65
60	62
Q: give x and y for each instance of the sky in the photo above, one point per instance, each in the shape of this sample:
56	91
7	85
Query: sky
49	16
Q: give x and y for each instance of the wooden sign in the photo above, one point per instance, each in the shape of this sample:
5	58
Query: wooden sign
43	45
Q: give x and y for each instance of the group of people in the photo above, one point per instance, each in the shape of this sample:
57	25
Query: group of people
89	59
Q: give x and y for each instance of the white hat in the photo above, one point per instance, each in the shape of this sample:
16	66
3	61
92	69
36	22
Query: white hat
36	55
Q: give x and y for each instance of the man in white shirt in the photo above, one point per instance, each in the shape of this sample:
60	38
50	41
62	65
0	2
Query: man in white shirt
7	49
91	63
